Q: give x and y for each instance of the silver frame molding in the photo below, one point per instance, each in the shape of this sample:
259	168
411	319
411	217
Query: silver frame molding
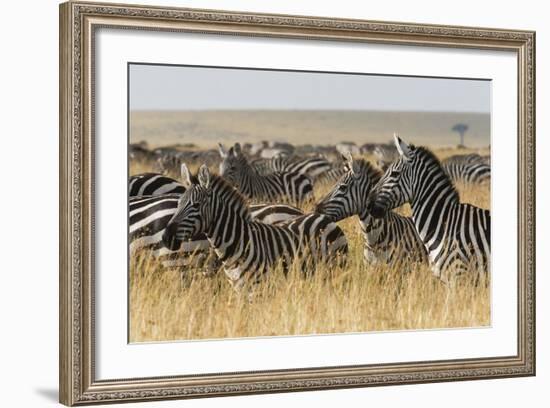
78	22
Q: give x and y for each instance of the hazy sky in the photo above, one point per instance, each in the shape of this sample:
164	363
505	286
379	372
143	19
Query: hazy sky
156	87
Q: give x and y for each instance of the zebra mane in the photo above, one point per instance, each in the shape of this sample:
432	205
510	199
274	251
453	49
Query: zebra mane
430	157
365	166
229	193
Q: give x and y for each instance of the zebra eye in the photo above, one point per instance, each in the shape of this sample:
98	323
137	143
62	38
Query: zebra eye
343	188
394	173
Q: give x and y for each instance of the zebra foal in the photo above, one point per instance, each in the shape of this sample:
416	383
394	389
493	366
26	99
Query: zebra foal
150	184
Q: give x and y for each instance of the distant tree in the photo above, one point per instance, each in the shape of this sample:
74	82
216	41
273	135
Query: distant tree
461	128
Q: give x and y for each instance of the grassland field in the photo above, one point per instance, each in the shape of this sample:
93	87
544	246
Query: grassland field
357	298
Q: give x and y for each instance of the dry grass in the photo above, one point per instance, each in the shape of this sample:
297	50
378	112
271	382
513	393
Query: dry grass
358	298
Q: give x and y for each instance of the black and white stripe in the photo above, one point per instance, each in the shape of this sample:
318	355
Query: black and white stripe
152	184
456	236
316	168
247	248
471	158
236	169
472	173
148	217
388	240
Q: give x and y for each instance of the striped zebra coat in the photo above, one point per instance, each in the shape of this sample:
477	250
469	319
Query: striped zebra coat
151	184
389	240
250	249
473	173
316	168
456	236
149	216
471	158
236	169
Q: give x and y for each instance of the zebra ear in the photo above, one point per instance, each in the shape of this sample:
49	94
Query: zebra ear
348	158
356	169
185	176
237	149
221	149
350	164
204	176
402	147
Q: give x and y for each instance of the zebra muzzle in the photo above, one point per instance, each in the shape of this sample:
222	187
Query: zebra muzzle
169	237
376	209
319	208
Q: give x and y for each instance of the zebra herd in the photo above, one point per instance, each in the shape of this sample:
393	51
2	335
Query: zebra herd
208	220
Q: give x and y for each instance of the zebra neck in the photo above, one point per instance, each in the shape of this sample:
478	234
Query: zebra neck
372	227
248	181
229	232
432	202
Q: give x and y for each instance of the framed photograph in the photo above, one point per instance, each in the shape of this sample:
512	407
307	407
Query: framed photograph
256	203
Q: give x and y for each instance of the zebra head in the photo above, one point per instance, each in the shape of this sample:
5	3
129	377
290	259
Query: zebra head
233	160
192	215
394	188
349	195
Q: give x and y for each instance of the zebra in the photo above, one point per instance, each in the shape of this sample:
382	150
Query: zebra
388	240
249	249
147	219
385	155
348	147
152	184
457	236
169	160
473	173
273	165
140	152
149	215
268	149
236	169
316	168
471	158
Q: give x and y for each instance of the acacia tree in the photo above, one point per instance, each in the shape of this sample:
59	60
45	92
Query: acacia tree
461	128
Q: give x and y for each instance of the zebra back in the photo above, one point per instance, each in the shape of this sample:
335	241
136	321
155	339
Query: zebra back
471	158
473	173
152	184
316	168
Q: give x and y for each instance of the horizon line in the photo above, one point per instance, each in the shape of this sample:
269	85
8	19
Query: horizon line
307	110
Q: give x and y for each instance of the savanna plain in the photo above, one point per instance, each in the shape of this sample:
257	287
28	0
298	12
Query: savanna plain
175	304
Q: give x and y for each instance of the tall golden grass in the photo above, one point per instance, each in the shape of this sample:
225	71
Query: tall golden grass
168	304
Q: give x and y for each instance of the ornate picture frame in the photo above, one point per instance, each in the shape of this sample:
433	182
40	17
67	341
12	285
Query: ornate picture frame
78	24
